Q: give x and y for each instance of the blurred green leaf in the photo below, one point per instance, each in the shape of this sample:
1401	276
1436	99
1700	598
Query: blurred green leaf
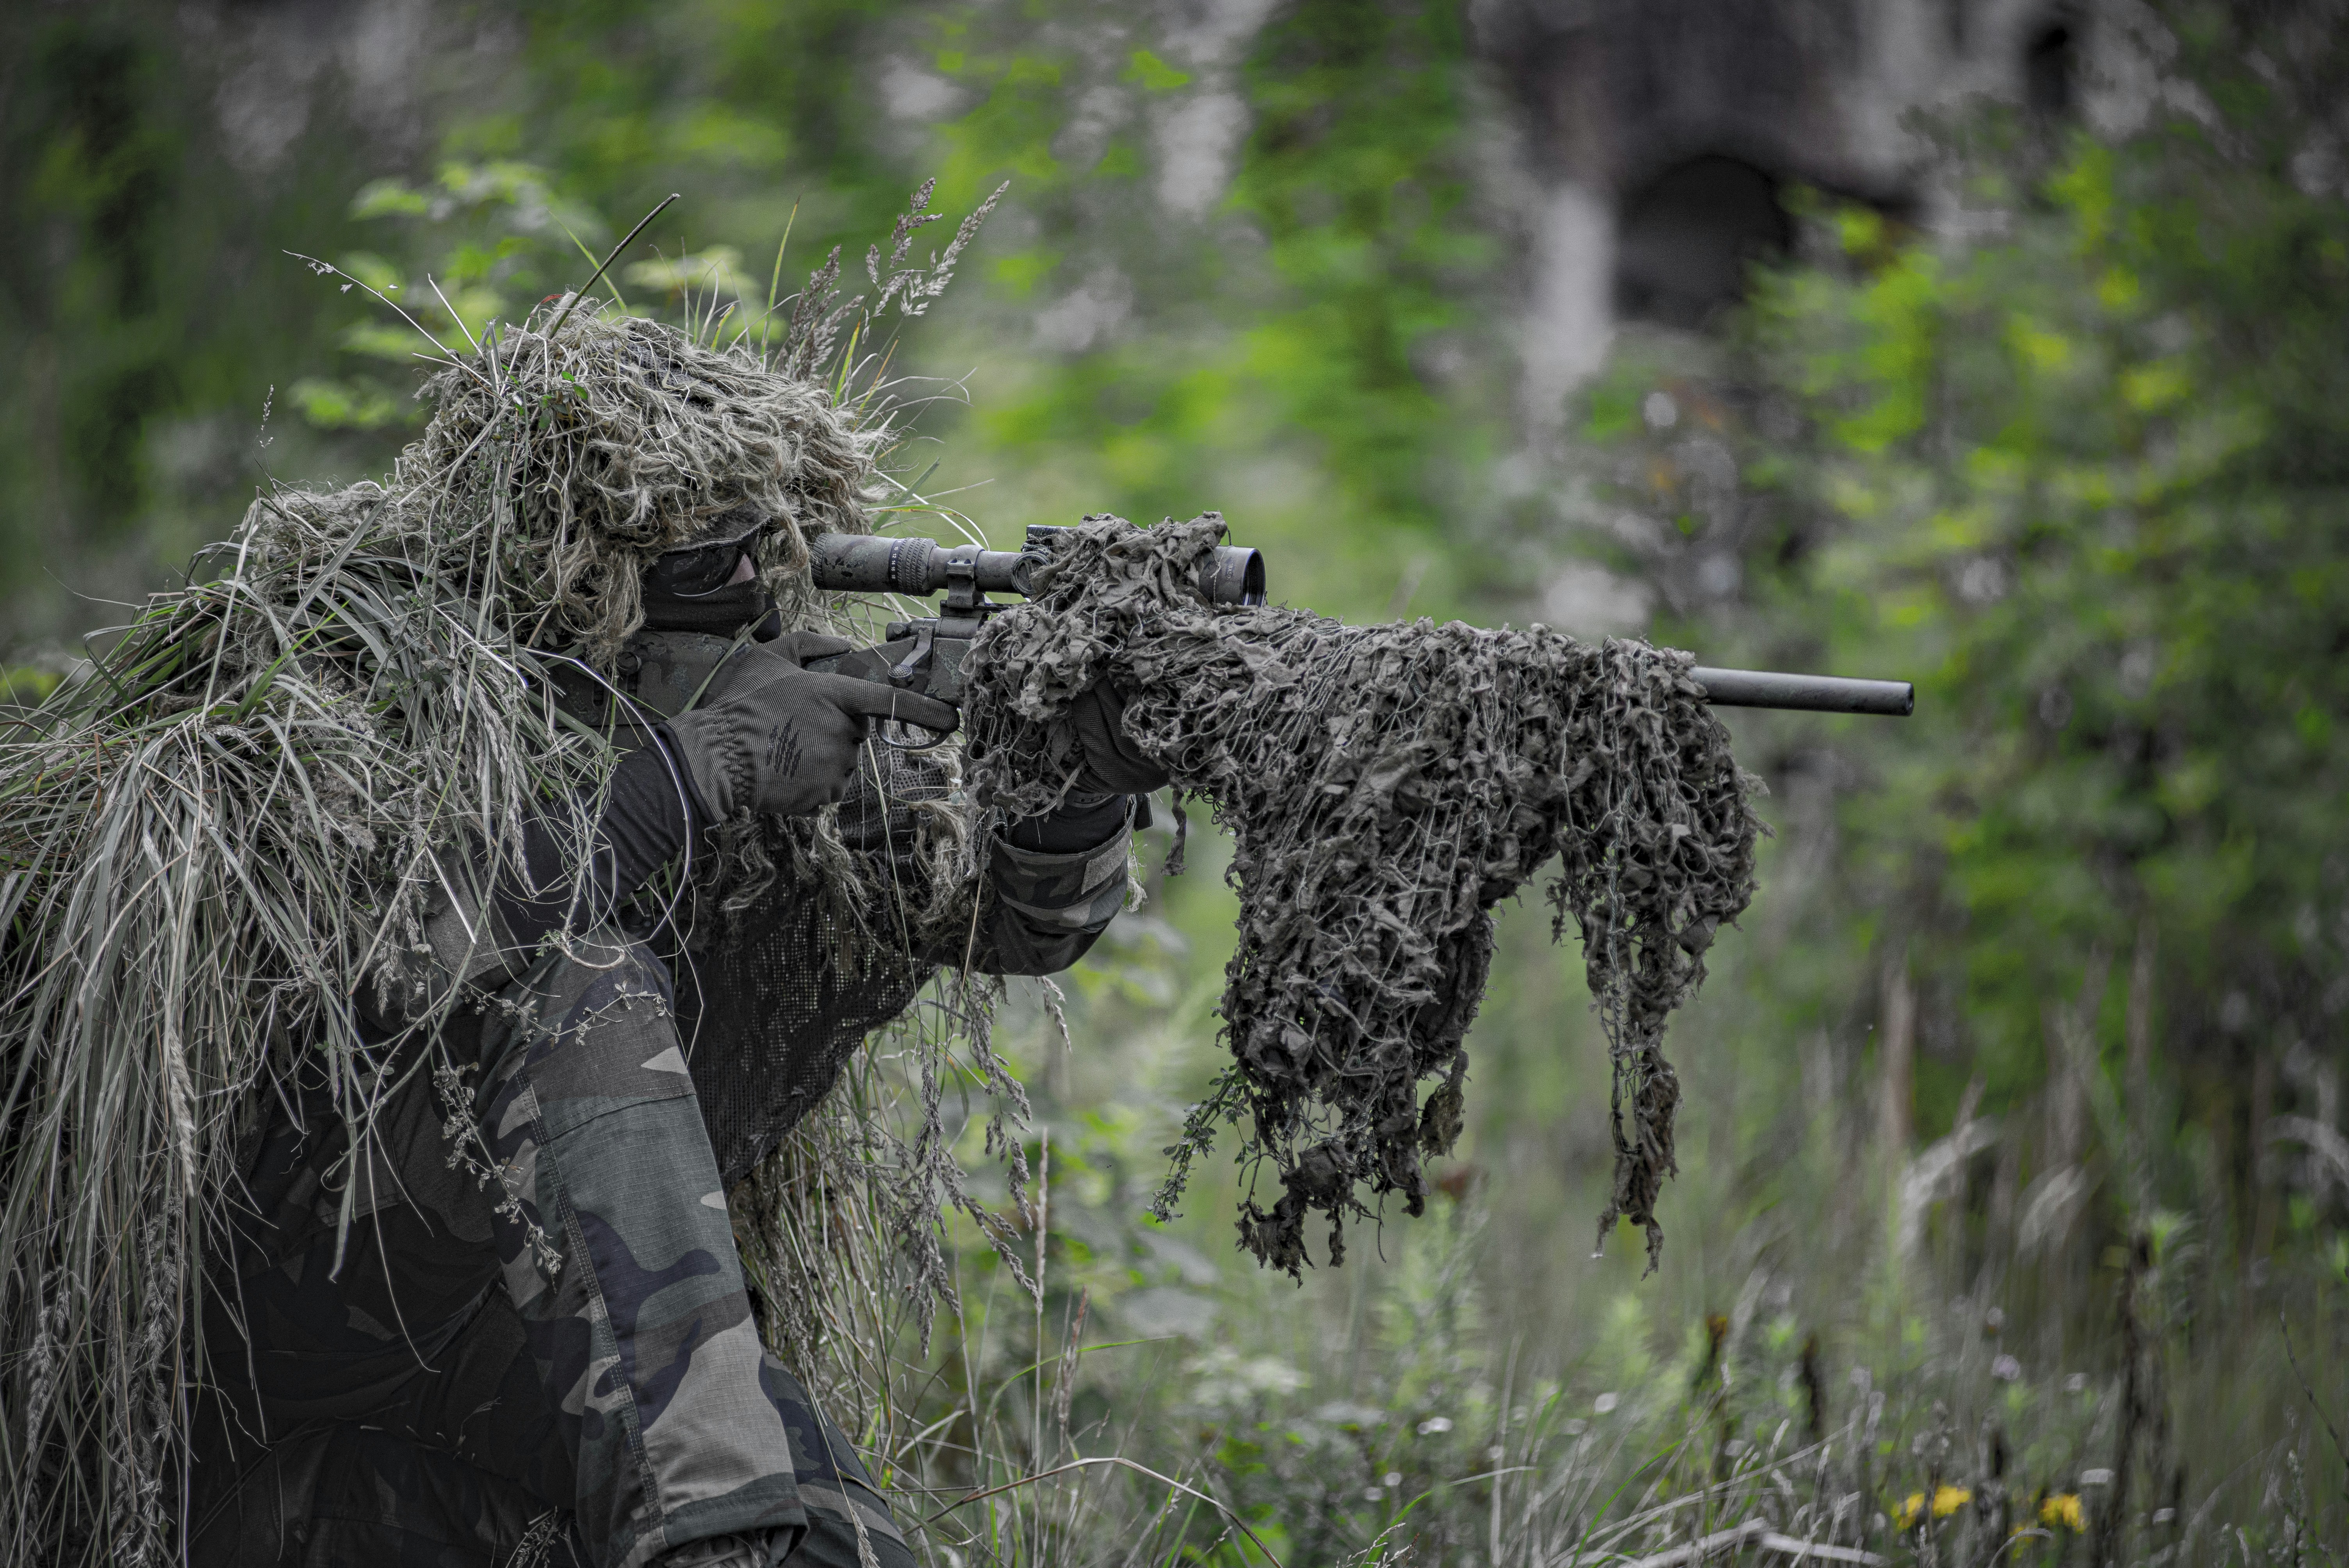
1154	74
348	405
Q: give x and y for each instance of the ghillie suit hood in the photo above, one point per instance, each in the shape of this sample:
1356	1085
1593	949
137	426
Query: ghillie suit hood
222	842
1387	786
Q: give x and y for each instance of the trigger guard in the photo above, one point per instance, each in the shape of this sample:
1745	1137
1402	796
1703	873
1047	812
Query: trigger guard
934	737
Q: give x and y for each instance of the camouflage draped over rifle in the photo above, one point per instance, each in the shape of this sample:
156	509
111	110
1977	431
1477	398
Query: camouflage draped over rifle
1387	786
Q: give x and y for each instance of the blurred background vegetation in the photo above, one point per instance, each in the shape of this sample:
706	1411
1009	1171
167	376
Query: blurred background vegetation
2013	1158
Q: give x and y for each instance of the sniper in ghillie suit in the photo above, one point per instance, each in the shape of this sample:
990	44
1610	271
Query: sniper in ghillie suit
436	932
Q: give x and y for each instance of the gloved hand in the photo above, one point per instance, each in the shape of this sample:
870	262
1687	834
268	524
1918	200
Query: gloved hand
771	737
1114	764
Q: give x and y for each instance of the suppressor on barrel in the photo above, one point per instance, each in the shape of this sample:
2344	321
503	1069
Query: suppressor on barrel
1816	694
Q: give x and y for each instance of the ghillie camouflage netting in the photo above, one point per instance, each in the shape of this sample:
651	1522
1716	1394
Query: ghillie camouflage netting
1386	785
228	831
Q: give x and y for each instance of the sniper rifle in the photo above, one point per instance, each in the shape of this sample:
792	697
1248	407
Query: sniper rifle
925	655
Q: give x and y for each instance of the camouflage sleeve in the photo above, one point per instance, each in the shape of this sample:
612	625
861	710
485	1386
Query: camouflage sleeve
1047	886
1045	910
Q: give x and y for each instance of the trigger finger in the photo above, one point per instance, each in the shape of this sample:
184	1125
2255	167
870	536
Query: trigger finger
876	701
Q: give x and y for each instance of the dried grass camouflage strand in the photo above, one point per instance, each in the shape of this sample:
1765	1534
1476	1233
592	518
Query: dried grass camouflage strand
1386	787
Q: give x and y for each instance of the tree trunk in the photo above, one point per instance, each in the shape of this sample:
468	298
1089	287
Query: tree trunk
1896	1062
2140	1069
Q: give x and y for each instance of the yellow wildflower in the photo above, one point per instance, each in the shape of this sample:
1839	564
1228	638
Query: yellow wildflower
2064	1508
1947	1500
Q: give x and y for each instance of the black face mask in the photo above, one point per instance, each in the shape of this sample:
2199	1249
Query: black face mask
687	589
723	612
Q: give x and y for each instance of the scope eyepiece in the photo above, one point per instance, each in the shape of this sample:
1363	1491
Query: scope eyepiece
1234	575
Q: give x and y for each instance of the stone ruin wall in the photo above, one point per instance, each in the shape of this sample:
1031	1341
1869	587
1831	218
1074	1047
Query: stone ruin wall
1655	139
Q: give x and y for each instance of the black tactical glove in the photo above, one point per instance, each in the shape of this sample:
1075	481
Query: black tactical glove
1114	764
771	737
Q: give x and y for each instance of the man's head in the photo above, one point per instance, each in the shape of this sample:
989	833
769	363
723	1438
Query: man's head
640	427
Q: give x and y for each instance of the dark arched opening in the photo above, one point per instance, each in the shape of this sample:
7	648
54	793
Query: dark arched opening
2051	64
1686	238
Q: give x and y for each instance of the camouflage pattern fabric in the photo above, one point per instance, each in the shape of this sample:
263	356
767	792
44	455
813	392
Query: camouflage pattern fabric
560	1362
1050	907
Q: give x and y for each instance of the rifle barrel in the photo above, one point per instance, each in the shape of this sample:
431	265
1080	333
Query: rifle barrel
1816	694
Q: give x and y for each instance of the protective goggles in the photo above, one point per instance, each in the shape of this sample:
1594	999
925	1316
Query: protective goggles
705	565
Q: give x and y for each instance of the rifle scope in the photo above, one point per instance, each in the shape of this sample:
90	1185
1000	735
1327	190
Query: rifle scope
869	563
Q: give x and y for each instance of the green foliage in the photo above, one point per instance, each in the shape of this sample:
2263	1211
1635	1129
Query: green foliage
145	307
1356	175
477	243
1317	321
2081	480
2084	484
